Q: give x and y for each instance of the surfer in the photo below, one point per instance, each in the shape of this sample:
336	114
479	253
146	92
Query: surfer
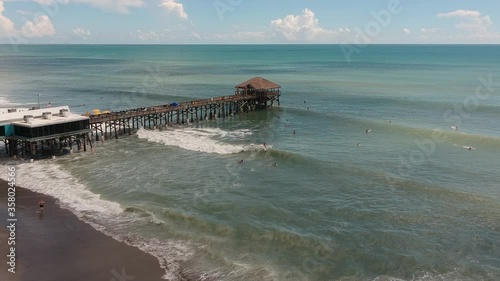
275	164
241	161
294	132
42	205
358	144
368	130
264	145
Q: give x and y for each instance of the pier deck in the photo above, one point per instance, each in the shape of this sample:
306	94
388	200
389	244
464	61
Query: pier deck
115	123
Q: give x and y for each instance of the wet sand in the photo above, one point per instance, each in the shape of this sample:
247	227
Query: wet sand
57	246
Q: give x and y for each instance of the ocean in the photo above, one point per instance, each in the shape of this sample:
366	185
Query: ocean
378	166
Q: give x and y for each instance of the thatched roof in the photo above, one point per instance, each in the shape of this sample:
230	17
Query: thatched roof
258	83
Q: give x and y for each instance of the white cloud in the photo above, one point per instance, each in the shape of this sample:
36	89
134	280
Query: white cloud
303	27
196	35
460	13
41	26
175	7
242	37
145	35
429	30
119	6
6	25
82	33
24	13
406	30
472	22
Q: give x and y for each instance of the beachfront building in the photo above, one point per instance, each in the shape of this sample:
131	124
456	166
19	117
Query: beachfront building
27	133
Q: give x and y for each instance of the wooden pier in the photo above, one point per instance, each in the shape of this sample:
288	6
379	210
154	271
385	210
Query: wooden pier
43	132
251	95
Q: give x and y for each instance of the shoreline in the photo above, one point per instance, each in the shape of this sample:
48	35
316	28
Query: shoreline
57	245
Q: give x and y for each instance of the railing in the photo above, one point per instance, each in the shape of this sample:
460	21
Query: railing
139	112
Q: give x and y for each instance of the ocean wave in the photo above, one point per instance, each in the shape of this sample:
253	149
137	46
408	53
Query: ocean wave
455	275
207	140
4	102
49	178
394	128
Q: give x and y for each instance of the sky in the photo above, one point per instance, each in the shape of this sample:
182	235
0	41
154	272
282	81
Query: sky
250	21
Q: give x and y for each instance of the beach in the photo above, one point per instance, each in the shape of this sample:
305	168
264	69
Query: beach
57	246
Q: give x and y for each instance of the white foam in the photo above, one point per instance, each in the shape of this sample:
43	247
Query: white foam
4	102
429	276
50	178
208	140
468	147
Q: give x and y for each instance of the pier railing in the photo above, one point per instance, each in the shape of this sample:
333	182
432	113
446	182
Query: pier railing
139	112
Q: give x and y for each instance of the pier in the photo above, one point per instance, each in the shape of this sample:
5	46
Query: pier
254	94
57	133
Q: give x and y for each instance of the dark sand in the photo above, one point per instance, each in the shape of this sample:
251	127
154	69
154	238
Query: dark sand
57	246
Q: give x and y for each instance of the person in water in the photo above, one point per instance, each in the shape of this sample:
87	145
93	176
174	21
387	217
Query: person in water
241	161
42	205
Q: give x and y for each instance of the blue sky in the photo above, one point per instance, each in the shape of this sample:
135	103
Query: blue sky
249	21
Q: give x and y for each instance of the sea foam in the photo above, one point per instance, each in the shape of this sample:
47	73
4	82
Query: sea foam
208	140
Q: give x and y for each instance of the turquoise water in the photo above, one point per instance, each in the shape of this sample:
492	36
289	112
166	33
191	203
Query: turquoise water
410	202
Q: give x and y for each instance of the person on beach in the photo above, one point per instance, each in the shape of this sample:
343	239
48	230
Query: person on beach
42	205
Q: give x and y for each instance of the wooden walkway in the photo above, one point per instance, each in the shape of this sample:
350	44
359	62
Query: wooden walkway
115	123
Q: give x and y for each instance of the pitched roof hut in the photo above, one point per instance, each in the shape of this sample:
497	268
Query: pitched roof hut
257	84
